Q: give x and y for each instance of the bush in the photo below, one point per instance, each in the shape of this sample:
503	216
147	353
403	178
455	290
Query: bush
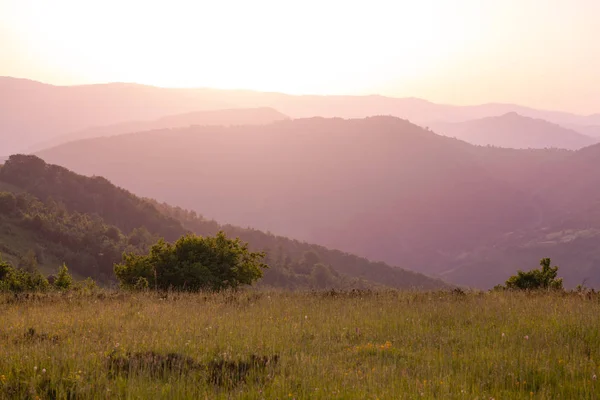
193	263
544	278
63	280
18	280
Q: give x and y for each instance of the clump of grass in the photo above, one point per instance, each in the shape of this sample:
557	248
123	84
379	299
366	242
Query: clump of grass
230	373
151	363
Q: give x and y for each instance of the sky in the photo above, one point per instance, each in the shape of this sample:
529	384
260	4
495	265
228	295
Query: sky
540	53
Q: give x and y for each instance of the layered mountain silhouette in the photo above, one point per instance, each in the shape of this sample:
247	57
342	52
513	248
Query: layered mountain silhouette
32	113
238	116
379	187
515	131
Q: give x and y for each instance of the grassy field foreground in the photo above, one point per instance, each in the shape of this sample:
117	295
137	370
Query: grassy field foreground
390	345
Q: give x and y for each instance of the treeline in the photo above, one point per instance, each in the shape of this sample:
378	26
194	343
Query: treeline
88	223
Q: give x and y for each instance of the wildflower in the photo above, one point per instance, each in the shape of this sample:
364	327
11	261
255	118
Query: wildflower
2	378
526	337
44	371
503	334
594	377
35	368
306	317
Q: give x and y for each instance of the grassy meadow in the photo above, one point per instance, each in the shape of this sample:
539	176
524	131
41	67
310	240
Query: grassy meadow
324	345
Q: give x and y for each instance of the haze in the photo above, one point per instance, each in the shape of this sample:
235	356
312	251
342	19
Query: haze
539	53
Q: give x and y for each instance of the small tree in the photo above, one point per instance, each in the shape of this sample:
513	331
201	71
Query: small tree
544	278
193	263
63	280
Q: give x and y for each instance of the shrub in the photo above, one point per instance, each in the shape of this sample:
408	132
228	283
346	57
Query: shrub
193	263
544	278
18	280
63	280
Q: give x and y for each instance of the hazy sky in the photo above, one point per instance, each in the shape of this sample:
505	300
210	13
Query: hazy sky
542	53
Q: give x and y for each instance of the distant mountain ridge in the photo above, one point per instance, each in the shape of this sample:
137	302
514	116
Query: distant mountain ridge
227	117
33	112
515	131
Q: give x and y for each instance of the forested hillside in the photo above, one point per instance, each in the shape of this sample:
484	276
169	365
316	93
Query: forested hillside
54	215
378	187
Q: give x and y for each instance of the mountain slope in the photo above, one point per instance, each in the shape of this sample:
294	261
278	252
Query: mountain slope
88	223
379	187
240	116
515	131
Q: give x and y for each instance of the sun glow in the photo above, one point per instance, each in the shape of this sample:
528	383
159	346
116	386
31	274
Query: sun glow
461	51
299	47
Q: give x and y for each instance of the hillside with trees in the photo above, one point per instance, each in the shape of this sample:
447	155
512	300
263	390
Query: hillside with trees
379	187
50	215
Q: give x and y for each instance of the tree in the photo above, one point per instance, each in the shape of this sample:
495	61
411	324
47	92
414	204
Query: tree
63	280
193	263
544	278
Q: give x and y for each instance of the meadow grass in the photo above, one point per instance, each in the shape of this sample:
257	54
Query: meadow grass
379	345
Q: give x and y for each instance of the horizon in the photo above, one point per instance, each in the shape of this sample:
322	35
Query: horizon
463	53
496	103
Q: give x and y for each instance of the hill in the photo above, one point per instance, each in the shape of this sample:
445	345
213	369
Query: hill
33	112
59	216
592	131
240	116
379	187
515	131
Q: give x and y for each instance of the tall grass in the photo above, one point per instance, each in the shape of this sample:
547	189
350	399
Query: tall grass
381	345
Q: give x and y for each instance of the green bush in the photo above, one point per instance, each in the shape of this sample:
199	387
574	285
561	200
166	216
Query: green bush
193	263
63	280
536	279
19	280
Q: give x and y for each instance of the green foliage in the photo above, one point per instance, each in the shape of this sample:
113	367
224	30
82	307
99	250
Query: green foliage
141	284
63	280
193	263
85	195
544	278
19	280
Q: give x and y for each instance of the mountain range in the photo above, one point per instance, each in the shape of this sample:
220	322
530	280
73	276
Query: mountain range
33	113
379	187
